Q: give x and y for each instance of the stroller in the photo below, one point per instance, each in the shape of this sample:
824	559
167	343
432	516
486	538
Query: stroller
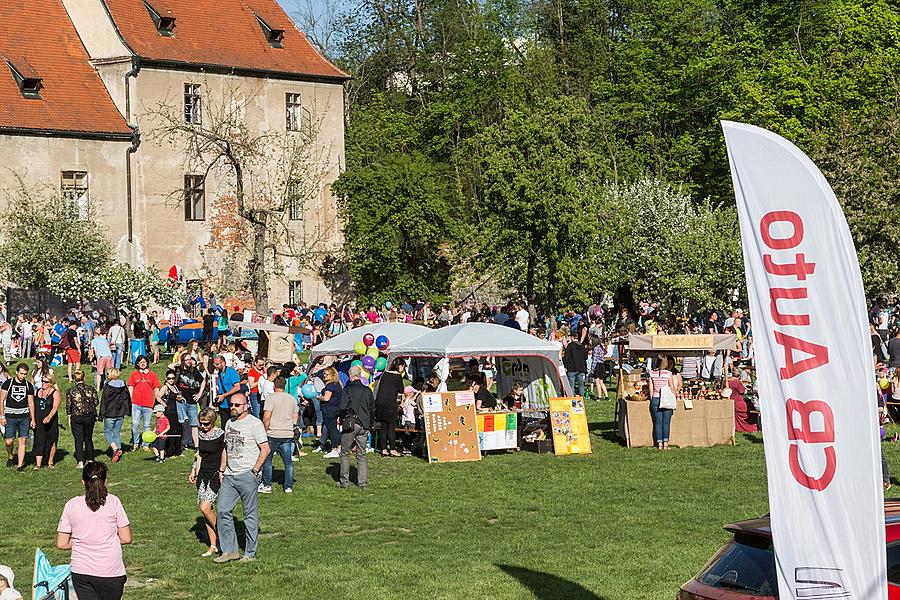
49	582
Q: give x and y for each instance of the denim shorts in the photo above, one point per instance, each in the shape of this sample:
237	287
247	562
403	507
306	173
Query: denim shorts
17	427
188	412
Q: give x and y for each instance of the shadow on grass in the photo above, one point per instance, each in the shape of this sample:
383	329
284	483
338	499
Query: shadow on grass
605	429
199	530
334	469
546	586
753	438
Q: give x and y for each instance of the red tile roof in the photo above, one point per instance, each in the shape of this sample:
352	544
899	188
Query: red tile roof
40	40
223	33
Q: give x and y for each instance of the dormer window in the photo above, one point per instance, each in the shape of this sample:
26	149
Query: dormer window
273	36
27	79
165	24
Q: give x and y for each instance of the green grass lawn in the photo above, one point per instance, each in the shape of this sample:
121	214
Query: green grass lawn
616	524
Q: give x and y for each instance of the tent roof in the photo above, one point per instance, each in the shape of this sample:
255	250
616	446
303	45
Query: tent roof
476	339
680	345
397	333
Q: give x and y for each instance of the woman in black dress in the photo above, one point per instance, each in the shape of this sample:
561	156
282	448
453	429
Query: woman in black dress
169	395
205	472
46	422
387	406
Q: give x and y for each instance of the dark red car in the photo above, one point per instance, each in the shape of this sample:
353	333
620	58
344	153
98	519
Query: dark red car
744	568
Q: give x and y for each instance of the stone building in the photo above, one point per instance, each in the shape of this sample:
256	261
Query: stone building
83	85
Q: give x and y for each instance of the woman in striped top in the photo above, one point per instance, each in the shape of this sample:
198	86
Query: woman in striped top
661	378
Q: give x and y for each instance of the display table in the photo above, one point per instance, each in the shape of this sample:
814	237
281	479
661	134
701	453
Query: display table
710	422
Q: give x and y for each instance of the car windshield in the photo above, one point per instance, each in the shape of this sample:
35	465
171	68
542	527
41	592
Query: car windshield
745	565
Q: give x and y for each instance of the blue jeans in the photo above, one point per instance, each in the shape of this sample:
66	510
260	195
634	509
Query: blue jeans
112	431
318	406
140	415
17	427
283	446
241	487
576	379
662	418
117	356
333	433
254	404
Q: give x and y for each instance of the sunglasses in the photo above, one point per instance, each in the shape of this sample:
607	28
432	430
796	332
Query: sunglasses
237	405
170	379
205	424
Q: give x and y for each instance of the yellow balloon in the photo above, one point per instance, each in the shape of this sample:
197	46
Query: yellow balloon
373	352
885	384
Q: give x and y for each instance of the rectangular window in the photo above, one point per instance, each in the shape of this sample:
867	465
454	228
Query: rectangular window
194	198
295	292
192	105
293	112
74	188
295	201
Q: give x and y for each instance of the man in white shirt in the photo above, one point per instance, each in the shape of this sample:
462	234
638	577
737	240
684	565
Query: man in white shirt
522	317
279	418
116	337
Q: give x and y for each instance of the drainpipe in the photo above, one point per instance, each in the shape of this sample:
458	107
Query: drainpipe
135	141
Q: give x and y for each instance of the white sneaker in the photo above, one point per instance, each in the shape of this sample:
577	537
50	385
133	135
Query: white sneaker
295	458
288	490
264	489
333	454
318	449
369	449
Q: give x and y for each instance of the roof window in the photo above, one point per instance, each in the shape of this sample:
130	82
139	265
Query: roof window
27	79
165	24
273	36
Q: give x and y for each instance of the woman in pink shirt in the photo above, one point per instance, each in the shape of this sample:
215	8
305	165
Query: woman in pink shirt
94	527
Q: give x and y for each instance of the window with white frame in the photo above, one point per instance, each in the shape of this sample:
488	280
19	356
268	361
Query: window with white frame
295	292
194	198
74	188
293	109
193	111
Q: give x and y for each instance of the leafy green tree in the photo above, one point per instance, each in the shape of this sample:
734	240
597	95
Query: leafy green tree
42	234
123	286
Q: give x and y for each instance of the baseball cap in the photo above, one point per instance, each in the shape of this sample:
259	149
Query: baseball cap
7	574
159	408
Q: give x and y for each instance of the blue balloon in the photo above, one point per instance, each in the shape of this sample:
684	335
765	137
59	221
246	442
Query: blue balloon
309	391
382	342
388	305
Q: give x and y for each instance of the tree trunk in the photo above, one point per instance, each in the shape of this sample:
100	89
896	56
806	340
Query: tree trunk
258	286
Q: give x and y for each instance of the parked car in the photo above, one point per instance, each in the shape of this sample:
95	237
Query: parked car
744	568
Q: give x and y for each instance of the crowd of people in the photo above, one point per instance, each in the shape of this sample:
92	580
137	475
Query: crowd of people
237	411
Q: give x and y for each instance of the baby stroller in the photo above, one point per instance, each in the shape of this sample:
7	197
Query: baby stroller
49	582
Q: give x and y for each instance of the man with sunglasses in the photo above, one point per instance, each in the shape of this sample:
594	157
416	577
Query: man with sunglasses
246	449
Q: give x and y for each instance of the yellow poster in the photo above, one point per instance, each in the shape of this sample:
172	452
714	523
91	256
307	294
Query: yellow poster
568	419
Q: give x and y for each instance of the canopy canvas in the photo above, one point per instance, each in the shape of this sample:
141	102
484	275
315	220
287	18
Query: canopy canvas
519	357
341	345
680	345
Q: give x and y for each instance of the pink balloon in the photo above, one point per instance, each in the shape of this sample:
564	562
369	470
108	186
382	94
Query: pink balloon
368	339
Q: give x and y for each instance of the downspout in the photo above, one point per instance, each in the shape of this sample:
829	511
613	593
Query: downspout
135	142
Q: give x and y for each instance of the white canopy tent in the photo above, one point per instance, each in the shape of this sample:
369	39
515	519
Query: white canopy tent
519	357
341	345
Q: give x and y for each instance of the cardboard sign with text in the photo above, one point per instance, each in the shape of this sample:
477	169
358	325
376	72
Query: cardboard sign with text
451	427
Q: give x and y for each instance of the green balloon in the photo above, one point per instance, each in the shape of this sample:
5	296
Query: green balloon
356	363
149	437
360	348
380	363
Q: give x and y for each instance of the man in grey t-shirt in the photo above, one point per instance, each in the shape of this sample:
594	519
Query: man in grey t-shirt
246	448
279	418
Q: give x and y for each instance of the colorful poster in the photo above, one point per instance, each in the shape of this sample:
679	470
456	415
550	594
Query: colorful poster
568	419
451	428
815	372
497	431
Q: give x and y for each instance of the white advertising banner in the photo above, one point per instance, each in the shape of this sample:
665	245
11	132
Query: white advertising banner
815	372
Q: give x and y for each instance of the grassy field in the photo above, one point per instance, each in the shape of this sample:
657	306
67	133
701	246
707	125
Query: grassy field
616	524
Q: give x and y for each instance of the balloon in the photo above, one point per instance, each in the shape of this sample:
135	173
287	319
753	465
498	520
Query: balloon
368	339
380	363
368	362
388	306
365	380
881	430
373	352
356	363
885	383
382	343
309	391
359	348
148	436
302	377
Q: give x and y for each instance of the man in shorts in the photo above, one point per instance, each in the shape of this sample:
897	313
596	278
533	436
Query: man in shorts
16	413
70	343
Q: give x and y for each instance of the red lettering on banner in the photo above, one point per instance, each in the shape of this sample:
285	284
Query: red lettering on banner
818	355
804	479
799	268
805	433
776	294
781	216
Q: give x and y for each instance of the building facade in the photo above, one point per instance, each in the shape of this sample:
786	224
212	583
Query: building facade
102	109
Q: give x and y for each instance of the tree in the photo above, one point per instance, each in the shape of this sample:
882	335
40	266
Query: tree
123	286
42	234
270	175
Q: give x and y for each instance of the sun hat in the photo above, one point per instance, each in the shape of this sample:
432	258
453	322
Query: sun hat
7	574
159	408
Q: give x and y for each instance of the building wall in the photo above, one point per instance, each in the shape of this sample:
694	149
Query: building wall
38	161
161	231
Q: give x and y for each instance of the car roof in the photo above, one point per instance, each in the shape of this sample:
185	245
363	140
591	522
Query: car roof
761	526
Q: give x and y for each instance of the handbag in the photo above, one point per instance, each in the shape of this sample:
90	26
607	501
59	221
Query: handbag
667	398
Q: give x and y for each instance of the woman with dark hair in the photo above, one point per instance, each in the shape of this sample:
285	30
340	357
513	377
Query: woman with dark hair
387	406
94	527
